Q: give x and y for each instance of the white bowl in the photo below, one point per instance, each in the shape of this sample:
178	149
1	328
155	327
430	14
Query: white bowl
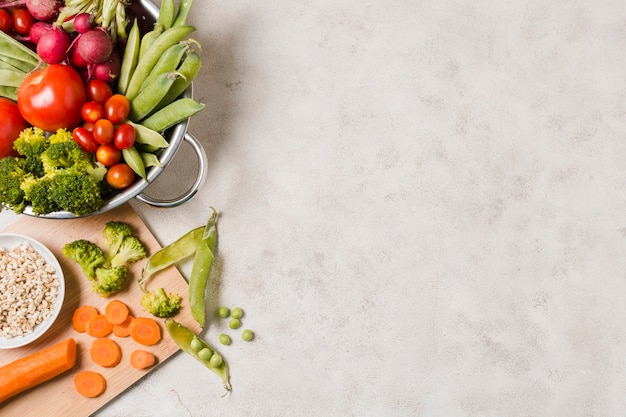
8	241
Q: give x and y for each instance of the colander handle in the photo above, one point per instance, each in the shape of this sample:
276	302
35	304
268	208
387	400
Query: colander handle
202	168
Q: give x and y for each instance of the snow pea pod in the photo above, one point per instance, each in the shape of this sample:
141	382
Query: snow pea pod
193	345
202	262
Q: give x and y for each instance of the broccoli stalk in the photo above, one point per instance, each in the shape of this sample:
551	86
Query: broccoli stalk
160	304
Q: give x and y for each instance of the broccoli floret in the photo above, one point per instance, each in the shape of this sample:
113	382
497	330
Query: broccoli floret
36	191
64	154
160	304
109	280
11	175
30	144
114	232
130	251
74	191
87	254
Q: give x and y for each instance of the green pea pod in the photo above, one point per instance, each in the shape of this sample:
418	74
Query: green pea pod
148	137
149	97
169	61
130	57
150	160
172	114
202	262
135	162
183	12
148	39
172	254
167	13
185	338
188	69
8	92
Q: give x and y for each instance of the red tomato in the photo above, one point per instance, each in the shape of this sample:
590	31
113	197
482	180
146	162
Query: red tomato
92	111
85	139
98	90
124	136
22	21
12	124
6	23
120	176
52	97
117	108
108	155
88	126
103	131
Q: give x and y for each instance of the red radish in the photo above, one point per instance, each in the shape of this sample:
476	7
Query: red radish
95	46
36	30
109	70
42	10
76	60
52	46
83	22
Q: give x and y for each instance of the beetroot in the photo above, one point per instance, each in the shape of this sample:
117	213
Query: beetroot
52	46
43	10
94	46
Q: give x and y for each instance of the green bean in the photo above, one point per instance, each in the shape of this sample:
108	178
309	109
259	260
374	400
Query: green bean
22	66
135	162
172	114
148	39
8	92
224	339
183	248
148	137
189	69
167	13
150	160
202	262
15	49
237	313
247	335
130	57
223	312
183	337
149	97
146	62
11	78
183	12
169	61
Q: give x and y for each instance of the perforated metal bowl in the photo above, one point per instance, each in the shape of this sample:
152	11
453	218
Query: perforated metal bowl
175	136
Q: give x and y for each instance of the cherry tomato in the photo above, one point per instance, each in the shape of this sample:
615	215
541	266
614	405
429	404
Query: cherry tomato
99	91
89	126
124	136
92	111
52	97
22	21
108	155
117	108
6	23
120	176
85	139
103	131
12	124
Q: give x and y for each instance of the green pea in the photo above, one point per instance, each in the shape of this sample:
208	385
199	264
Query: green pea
196	344
216	360
223	312
205	354
247	335
237	313
234	323
224	339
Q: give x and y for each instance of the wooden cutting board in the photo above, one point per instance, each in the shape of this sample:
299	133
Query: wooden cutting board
58	396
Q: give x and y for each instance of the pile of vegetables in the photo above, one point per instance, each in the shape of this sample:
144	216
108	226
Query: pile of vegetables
87	69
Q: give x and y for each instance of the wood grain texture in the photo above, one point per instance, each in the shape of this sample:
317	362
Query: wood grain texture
58	396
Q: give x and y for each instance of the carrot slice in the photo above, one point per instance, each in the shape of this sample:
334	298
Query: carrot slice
90	384
99	326
145	330
105	352
142	359
81	316
123	329
36	368
116	311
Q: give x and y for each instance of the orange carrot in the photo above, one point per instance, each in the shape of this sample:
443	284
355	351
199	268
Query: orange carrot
123	329
81	316
145	330
89	384
142	359
105	352
99	326
116	311
36	368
